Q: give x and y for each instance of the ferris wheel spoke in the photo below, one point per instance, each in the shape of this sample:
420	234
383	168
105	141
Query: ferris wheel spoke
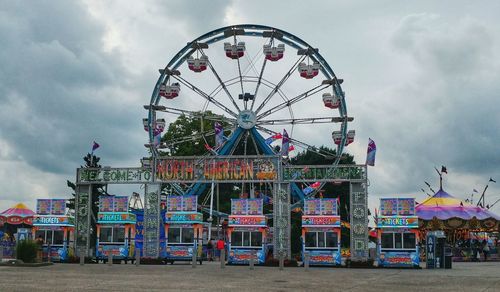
278	86
258	82
322	120
306	146
210	65
205	95
293	100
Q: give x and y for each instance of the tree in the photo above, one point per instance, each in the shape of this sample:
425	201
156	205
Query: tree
188	135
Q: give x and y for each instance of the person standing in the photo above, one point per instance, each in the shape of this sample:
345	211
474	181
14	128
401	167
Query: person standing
39	242
220	246
210	250
486	249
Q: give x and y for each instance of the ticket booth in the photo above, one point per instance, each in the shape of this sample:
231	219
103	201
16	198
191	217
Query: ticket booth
55	227
183	229
246	232
321	232
397	233
115	229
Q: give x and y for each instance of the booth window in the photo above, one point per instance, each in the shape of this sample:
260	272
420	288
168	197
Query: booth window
246	238
112	234
180	235
409	240
41	233
321	239
398	240
58	237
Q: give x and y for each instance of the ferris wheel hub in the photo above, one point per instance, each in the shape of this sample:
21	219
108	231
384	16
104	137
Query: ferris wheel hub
247	119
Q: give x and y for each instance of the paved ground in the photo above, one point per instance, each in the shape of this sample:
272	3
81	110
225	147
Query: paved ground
209	277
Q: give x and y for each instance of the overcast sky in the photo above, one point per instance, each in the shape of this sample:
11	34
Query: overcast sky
421	79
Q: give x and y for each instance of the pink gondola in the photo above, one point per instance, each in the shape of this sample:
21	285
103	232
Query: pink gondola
309	71
160	125
234	51
331	101
350	137
170	91
274	53
337	137
197	64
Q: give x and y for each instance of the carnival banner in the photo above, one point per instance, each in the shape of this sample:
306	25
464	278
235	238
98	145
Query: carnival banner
58	206
239	206
329	206
406	207
324	257
320	221
245	220
43	206
388	207
189	203
312	207
243	256
399	259
120	204
183	218
397	221
179	252
174	203
116	217
118	251
106	204
45	220
254	206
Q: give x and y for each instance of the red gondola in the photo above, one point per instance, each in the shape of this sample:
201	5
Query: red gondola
331	101
234	51
308	71
274	53
197	64
170	91
350	137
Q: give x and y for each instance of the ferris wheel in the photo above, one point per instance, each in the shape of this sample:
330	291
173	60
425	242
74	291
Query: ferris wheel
264	90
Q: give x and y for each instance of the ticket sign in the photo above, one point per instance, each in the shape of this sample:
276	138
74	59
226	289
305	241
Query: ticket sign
47	220
183	217
256	221
116	217
397	222
320	221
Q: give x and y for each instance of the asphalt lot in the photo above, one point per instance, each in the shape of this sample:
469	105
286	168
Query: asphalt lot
210	277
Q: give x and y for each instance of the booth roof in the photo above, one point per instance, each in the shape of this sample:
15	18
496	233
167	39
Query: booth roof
445	206
18	210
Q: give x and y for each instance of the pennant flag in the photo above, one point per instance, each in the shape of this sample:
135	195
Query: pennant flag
208	147
269	140
443	169
370	153
291	148
492	180
219	135
285	143
95	146
277	136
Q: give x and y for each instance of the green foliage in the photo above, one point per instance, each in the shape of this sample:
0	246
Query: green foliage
197	127
26	251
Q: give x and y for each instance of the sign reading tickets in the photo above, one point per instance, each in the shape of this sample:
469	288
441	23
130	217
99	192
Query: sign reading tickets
116	217
320	221
183	218
48	220
255	221
398	222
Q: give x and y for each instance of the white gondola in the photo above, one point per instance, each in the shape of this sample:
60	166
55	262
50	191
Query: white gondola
309	71
331	101
170	91
160	125
274	53
197	64
145	123
350	137
234	51
337	137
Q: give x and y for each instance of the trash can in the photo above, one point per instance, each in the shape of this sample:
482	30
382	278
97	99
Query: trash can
448	257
